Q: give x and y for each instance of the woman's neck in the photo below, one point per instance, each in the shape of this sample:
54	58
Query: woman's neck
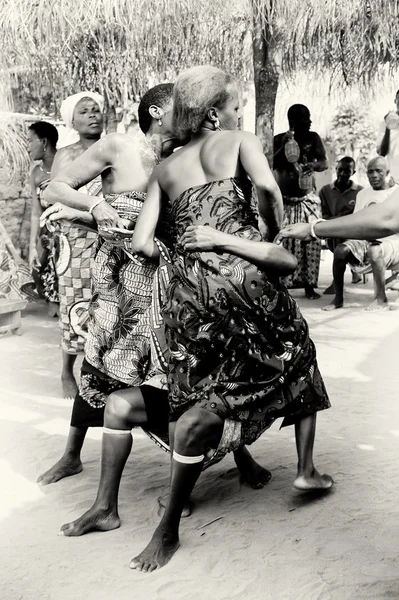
87	142
47	160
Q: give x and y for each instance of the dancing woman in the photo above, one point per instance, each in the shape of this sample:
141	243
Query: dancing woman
240	353
132	387
117	349
82	112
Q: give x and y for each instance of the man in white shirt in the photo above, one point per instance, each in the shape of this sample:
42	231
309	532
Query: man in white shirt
379	254
389	146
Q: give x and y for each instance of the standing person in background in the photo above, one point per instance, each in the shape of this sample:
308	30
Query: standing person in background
297	154
389	145
42	142
82	112
338	199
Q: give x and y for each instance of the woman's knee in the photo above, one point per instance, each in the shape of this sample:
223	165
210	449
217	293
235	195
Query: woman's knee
124	409
197	428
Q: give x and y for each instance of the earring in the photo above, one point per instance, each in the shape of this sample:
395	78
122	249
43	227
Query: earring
216	124
160	122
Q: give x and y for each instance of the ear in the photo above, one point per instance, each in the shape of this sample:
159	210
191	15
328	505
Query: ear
212	114
155	112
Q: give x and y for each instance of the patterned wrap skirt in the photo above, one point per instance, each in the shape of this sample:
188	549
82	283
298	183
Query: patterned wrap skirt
303	210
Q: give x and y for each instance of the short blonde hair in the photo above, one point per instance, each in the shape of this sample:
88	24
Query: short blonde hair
196	91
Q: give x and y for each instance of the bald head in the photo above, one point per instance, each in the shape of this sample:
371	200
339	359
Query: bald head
377	173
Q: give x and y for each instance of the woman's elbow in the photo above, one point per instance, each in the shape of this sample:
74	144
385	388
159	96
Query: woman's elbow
291	264
52	193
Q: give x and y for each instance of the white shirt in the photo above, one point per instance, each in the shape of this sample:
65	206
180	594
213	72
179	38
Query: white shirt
369	196
393	154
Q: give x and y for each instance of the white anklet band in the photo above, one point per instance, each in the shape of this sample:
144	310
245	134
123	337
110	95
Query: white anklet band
188	460
117	431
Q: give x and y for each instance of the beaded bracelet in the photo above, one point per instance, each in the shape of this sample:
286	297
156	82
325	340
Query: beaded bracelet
93	206
312	226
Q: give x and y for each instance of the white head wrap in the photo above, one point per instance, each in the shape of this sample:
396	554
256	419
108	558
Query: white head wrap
68	105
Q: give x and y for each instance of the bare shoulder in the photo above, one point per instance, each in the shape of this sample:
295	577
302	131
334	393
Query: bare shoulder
118	141
35	175
315	138
246	139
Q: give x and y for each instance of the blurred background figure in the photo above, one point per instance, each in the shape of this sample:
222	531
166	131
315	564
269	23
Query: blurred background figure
298	153
42	142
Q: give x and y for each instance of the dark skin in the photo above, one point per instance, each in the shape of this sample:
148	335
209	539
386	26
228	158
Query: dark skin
312	158
383	148
311	148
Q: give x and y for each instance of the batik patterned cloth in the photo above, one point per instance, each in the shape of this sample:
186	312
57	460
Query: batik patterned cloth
48	247
303	210
77	248
119	332
14	276
238	344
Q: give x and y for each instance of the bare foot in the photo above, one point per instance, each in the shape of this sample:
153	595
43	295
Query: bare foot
163	501
314	482
69	386
65	467
95	519
311	295
158	553
330	291
333	305
251	471
378	305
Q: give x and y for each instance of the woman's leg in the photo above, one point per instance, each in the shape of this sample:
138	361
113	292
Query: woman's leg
251	471
308	478
70	463
69	385
83	416
195	431
125	409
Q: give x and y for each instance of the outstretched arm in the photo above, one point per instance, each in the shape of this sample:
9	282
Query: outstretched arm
373	222
144	232
256	166
266	255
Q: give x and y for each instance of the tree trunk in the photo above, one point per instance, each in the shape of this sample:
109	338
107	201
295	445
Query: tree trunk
266	77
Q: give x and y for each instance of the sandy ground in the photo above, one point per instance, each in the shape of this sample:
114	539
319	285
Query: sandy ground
270	544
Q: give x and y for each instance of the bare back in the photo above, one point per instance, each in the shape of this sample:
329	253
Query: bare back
212	156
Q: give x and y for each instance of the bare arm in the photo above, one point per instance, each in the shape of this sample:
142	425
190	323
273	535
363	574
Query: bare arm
143	240
320	162
60	212
68	177
34	219
266	255
375	221
383	148
256	166
325	209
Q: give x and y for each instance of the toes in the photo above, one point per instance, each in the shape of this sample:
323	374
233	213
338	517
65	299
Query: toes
136	564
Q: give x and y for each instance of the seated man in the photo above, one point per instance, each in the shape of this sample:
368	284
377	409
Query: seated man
338	199
358	253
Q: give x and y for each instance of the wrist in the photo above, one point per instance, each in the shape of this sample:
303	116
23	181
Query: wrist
94	205
315	229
